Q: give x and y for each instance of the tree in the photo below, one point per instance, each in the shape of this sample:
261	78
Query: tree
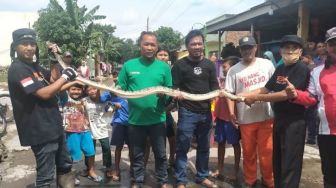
70	28
128	50
168	38
73	28
100	38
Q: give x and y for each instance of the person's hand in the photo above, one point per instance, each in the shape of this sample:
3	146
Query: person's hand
160	95
240	98
290	90
250	100
112	106
221	93
108	106
234	121
117	105
178	96
54	48
242	94
236	125
69	74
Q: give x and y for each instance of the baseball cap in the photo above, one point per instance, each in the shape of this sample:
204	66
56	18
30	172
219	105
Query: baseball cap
23	35
67	54
331	34
291	39
247	41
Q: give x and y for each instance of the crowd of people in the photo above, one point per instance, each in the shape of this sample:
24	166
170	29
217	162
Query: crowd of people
61	119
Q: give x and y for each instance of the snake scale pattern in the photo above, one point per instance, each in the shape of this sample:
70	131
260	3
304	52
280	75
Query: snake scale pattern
151	90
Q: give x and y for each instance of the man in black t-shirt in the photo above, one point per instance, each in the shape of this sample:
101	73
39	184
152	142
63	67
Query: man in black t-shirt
67	58
289	125
39	123
194	74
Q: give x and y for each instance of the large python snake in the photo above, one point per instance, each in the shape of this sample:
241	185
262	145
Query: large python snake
151	90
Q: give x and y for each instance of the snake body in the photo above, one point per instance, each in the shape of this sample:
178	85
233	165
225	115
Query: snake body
151	90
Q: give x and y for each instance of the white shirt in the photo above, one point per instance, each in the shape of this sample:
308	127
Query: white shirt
98	125
244	78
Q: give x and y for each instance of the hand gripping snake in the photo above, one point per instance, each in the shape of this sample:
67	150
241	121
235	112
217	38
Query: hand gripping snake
152	90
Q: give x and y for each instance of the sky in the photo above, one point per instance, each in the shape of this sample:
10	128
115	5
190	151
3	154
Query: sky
130	16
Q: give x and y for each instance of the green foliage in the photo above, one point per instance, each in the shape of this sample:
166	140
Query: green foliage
168	38
128	50
70	28
74	29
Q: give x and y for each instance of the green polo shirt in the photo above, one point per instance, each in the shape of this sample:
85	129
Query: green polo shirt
138	74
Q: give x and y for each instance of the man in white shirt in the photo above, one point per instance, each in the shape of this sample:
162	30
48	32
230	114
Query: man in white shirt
255	121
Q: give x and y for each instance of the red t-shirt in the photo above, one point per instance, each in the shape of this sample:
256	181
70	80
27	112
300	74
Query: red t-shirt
221	109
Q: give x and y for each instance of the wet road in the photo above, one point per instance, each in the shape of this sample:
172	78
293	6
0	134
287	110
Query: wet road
18	170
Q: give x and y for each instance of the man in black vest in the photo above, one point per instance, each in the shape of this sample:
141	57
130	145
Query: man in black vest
39	123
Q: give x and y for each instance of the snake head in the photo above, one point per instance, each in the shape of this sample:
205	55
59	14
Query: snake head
53	47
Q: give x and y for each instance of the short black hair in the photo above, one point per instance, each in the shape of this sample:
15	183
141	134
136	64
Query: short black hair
320	41
231	60
115	73
162	48
77	85
192	34
151	33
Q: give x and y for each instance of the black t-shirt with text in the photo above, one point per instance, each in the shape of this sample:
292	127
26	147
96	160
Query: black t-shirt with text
38	121
298	74
197	78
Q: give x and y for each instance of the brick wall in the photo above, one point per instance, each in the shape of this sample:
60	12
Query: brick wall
234	36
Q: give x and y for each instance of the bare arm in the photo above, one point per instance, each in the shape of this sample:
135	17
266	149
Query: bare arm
69	84
232	112
270	97
55	73
54	68
273	97
50	90
262	90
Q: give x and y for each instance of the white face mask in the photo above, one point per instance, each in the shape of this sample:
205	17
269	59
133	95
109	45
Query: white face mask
290	55
290	58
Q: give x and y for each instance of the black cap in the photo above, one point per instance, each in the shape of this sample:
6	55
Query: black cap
67	54
23	35
247	41
331	34
291	39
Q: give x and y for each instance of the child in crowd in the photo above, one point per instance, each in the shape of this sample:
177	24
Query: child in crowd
163	55
225	130
98	126
307	58
120	128
78	135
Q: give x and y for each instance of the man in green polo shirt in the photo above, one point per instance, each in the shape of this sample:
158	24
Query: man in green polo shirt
147	114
